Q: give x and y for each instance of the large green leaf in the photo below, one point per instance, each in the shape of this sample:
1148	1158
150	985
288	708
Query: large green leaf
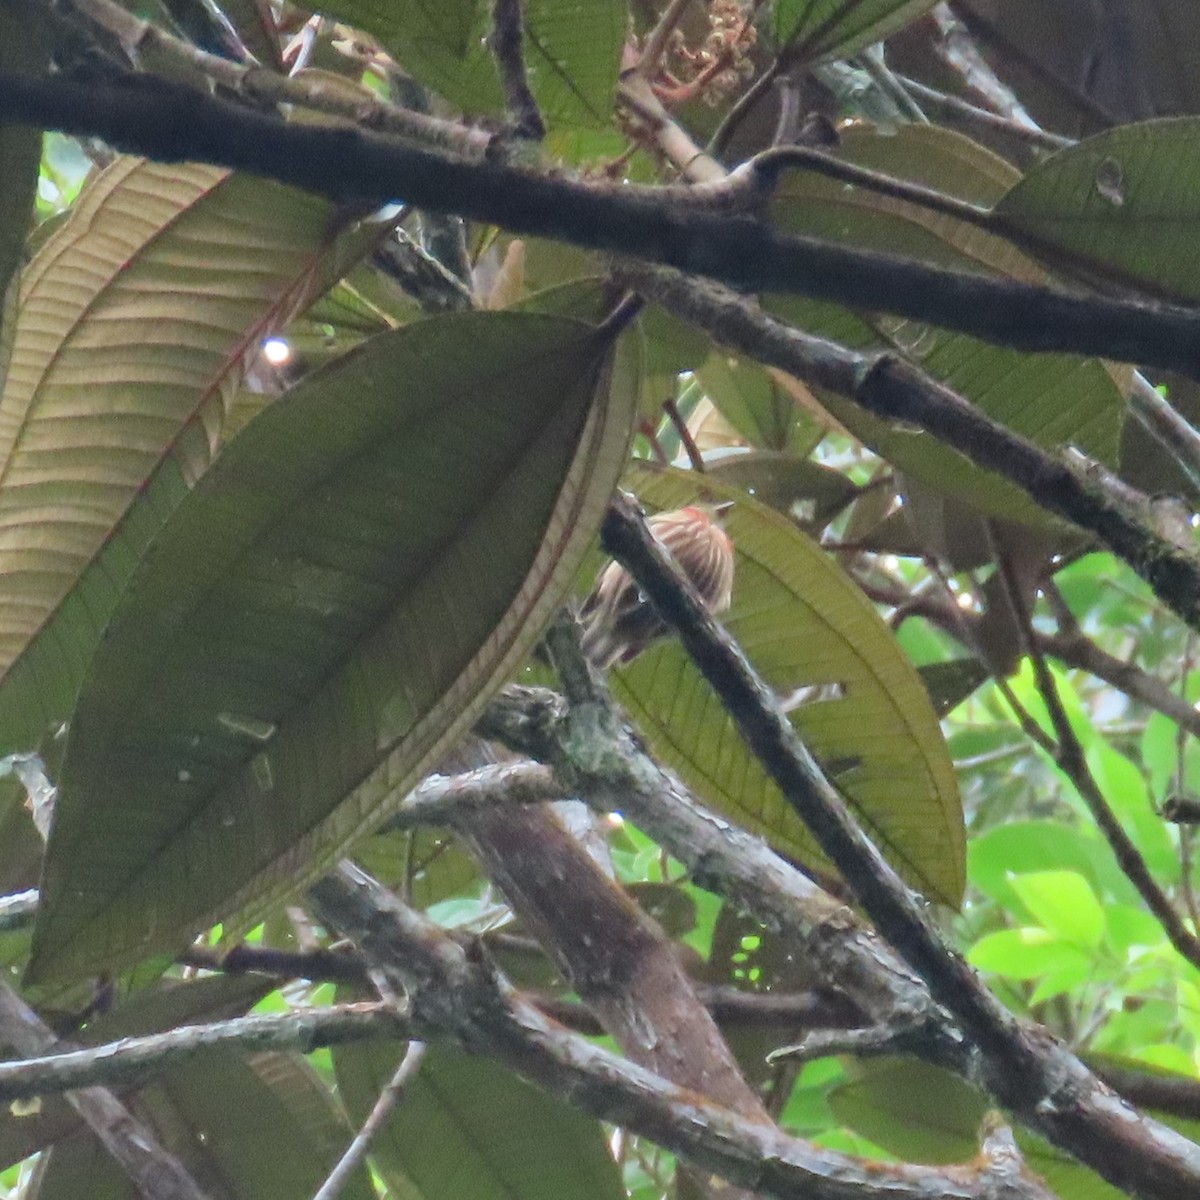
330	605
1053	399
814	29
138	317
572	51
804	624
1124	205
467	1129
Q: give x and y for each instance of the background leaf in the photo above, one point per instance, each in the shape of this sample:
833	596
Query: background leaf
815	29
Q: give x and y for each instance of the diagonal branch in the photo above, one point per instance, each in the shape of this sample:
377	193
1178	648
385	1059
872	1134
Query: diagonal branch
453	993
894	389
1043	1082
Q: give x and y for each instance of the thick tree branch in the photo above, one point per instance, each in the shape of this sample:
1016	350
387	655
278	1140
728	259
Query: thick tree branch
155	1173
674	226
592	752
890	387
454	993
1045	1084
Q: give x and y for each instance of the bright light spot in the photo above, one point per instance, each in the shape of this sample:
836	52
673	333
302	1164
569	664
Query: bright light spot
1195	520
965	600
276	351
615	820
891	562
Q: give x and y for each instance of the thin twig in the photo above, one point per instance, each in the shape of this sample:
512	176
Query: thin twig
945	105
384	1105
506	43
1069	756
685	434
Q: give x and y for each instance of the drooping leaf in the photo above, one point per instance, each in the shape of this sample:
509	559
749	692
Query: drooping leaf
331	604
467	1129
138	317
865	715
572	51
816	29
1124	204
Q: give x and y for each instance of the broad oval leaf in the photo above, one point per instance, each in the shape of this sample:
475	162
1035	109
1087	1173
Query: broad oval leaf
1124	204
867	717
468	1129
137	318
332	603
814	29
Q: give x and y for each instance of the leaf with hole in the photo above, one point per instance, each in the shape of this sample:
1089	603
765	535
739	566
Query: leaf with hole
1124	206
330	605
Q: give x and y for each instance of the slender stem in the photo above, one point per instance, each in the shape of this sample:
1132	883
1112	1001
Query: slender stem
386	1102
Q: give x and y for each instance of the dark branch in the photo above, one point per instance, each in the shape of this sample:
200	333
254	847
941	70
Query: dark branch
1046	1085
453	993
894	389
675	226
507	46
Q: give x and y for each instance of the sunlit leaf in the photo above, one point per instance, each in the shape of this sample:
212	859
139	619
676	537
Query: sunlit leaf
332	603
139	315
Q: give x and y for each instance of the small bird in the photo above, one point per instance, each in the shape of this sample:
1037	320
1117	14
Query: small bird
619	622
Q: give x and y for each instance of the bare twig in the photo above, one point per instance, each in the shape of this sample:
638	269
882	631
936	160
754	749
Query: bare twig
132	1060
387	1101
1068	754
